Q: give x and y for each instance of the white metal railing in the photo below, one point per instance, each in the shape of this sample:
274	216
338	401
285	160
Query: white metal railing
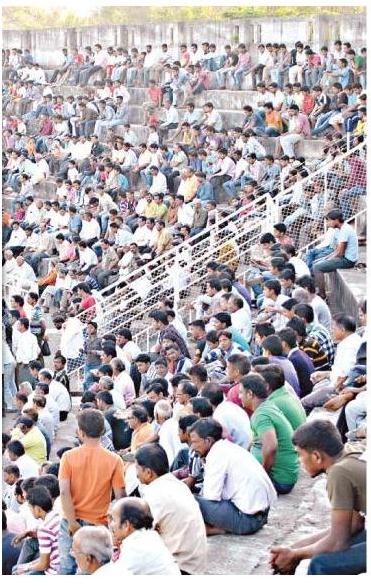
181	272
163	260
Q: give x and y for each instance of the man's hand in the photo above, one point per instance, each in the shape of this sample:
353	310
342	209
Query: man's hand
318	376
17	539
73	527
335	403
284	560
21	569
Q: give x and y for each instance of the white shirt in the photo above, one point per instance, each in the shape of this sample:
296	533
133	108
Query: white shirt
322	311
144	553
118	399
17	238
46	419
235	421
226	167
25	273
241	320
87	257
25	347
27	467
9	270
128	353
172	116
181	525
125	386
142	236
179	326
72	339
52	407
90	229
130	158
169	438
345	356
159	184
58	392
185	214
300	267
232	473
214	119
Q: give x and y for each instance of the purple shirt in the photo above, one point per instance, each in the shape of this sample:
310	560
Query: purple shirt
289	371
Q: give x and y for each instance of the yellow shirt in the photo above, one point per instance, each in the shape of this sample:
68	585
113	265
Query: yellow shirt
150	210
34	443
190	188
360	128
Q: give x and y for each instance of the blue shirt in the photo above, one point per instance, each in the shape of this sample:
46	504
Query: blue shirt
75	224
205	192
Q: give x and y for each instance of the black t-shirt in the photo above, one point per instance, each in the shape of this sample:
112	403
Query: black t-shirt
121	433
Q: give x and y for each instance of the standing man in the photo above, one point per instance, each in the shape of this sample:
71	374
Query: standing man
87	476
25	349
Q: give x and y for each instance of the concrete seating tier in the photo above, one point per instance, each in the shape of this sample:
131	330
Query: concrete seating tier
348	287
222	99
308	148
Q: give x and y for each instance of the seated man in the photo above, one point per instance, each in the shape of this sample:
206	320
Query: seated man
341	549
345	255
237	493
272	433
330	383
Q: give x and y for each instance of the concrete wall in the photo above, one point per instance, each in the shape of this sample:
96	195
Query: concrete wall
46	44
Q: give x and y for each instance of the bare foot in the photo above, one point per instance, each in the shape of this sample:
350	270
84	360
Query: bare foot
213	530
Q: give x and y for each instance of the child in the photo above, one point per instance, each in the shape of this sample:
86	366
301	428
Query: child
41	505
11	476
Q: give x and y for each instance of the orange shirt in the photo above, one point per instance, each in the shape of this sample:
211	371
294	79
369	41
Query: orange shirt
49	279
93	471
6	218
273	119
141	436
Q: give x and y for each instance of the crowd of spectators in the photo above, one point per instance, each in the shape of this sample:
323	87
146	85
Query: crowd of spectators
201	433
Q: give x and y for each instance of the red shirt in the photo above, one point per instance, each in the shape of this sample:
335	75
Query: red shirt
232	396
88	302
155	95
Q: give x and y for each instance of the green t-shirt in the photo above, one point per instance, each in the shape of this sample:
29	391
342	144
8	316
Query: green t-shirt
286	466
289	406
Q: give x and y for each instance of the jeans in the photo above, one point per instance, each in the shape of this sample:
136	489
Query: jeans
348	198
230	187
356	411
283	488
332	265
29	551
314	254
238	75
224	514
68	563
322	122
88	377
34	260
351	561
9	383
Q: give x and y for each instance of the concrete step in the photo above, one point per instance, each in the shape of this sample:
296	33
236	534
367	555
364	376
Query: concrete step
222	99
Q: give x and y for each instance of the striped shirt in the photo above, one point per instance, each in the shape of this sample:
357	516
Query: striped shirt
47	536
319	332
